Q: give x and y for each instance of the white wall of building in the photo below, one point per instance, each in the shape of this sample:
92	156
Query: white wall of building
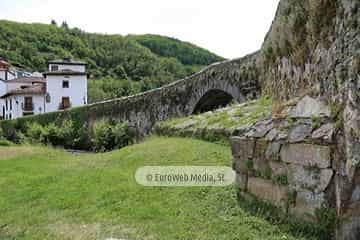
77	91
16	103
2	92
77	68
2	75
3	88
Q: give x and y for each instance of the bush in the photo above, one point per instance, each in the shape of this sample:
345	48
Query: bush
108	135
36	132
20	137
67	133
52	135
82	139
5	143
123	134
63	135
103	138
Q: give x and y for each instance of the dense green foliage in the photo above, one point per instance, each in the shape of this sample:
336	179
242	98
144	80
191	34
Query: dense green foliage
106	135
65	135
135	62
185	52
51	194
109	135
3	141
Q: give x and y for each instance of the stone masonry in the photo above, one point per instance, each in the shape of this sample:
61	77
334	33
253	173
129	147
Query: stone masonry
291	160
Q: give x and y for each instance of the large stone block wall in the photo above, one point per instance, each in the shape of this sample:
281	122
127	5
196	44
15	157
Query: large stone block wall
291	168
297	161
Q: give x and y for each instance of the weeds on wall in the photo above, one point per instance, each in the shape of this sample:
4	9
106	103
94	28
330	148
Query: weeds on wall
300	27
322	230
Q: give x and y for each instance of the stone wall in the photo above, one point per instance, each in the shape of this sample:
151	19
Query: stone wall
295	160
313	44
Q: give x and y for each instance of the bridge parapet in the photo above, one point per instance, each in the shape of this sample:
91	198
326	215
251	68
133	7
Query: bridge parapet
214	86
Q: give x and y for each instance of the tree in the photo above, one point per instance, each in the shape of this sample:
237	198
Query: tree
64	25
53	22
123	65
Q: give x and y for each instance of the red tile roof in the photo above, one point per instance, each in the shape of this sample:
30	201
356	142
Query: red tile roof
35	89
64	72
3	62
26	80
67	61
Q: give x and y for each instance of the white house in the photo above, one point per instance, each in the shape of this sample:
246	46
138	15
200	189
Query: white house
64	85
23	96
8	72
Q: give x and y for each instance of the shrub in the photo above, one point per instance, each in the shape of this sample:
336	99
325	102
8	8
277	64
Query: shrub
103	138
108	135
82	139
63	135
123	134
52	135
68	134
5	143
20	138
35	132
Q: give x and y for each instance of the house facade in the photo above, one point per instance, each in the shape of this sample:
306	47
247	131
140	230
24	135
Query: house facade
64	85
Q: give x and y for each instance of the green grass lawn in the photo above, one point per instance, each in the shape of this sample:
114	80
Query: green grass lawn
51	194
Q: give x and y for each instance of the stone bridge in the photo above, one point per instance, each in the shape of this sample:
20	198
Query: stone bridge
215	86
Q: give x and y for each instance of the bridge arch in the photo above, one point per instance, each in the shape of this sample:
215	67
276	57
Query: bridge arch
211	100
211	94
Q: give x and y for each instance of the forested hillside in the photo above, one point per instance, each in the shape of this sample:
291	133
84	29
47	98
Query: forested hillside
185	52
121	65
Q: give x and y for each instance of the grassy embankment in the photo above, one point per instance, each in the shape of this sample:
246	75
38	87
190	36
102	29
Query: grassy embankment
47	193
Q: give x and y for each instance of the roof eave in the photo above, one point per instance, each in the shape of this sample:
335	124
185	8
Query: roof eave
66	74
68	63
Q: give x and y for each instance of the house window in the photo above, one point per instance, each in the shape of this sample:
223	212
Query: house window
65	84
54	68
10	104
65	102
28	104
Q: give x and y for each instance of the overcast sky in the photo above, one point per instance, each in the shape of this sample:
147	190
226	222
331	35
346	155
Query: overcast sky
230	28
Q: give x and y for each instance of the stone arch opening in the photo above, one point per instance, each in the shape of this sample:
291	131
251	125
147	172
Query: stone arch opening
211	100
